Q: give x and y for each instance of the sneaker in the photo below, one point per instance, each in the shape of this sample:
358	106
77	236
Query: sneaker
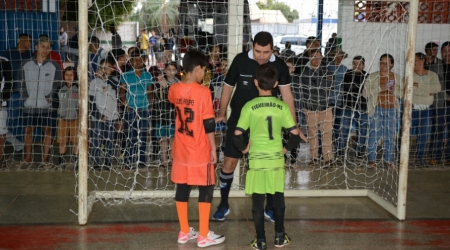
210	240
221	213
259	244
269	216
282	239
185	237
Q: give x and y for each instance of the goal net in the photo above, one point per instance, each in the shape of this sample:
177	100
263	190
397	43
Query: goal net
358	136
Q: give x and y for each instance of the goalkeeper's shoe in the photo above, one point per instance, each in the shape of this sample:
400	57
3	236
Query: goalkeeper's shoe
259	244
210	240
220	214
185	237
282	239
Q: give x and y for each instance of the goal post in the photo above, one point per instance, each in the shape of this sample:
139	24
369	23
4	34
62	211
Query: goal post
386	187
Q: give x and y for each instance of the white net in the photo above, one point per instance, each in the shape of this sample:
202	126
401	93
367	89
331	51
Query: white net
354	130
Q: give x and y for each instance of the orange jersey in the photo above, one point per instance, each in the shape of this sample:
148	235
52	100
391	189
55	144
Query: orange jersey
193	104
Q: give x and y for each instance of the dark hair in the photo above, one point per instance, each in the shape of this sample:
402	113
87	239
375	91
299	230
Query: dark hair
445	45
131	48
266	75
290	60
313	51
421	55
311	39
359	58
94	40
391	58
107	60
22	35
172	63
287	45
194	58
263	39
71	68
116	53
430	46
223	59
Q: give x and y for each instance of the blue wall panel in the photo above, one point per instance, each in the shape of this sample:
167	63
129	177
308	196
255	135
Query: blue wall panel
15	22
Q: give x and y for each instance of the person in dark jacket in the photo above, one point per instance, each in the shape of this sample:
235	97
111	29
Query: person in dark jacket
316	88
354	107
6	88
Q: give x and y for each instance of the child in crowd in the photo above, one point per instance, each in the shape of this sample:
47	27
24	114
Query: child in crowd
216	89
103	94
163	111
266	117
194	149
68	114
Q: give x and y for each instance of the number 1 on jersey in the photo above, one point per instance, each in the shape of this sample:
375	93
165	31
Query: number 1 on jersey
269	125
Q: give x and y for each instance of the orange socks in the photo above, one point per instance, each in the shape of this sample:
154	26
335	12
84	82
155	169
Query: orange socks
204	210
182	211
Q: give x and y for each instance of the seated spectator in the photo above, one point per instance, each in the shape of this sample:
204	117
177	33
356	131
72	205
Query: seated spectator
383	89
40	100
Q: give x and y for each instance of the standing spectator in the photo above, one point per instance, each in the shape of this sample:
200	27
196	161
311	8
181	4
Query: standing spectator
287	53
96	54
163	111
331	44
354	106
16	56
68	114
116	40
426	85
136	93
441	153
62	43
104	114
40	79
302	59
338	70
143	41
214	55
431	50
73	45
383	89
316	88
6	87
241	75
154	46
216	90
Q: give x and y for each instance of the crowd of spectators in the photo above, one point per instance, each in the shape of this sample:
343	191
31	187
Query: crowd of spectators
129	110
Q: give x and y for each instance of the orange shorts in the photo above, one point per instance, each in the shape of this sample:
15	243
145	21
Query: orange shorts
67	130
193	175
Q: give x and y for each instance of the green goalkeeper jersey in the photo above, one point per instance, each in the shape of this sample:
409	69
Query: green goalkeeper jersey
265	117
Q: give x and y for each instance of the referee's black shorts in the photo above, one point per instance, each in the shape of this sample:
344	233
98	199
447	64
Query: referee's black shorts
230	150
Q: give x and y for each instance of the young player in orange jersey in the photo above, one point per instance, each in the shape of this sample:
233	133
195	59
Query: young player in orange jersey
194	149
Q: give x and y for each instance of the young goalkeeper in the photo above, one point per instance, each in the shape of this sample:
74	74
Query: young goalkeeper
266	116
194	148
